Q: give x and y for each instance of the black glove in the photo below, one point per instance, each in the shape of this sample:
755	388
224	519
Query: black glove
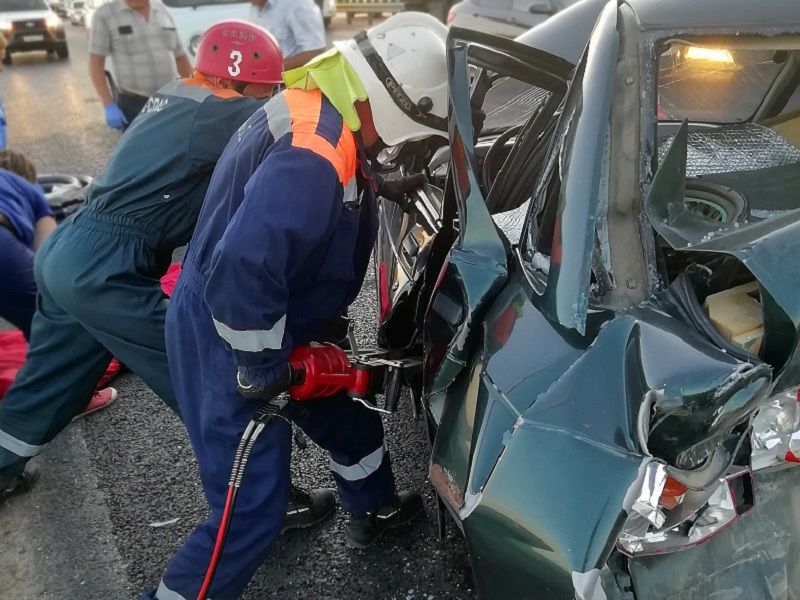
257	384
395	187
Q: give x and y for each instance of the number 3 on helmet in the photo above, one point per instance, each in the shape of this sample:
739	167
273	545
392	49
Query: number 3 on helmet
242	51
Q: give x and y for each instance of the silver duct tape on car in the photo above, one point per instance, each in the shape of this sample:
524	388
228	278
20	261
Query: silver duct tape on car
646	505
589	585
776	431
740	147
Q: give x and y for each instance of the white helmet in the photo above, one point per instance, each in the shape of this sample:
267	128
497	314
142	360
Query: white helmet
403	66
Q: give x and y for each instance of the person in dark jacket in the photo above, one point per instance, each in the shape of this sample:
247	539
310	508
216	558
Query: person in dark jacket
281	248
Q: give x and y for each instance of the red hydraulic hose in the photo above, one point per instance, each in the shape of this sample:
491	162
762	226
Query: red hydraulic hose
220	543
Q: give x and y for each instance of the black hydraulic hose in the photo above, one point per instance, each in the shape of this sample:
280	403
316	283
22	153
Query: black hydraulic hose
262	417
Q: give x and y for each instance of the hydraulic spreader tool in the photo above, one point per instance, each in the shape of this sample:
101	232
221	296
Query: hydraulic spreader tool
318	371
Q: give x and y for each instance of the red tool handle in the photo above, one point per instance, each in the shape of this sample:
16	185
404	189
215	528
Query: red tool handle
326	371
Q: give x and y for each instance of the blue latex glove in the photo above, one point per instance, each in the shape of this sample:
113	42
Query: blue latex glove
114	117
2	127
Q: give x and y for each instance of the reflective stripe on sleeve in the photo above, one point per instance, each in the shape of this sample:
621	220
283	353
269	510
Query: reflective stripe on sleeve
17	446
164	593
253	340
279	120
363	468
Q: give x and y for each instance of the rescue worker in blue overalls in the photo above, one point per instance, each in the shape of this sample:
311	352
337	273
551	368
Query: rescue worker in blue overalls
98	274
281	248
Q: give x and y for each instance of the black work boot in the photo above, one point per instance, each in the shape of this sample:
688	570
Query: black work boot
18	483
308	508
365	529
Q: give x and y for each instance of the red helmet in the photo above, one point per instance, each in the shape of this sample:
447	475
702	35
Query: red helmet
241	51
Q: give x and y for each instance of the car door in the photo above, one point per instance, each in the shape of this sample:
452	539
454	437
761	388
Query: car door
476	265
519	89
539	292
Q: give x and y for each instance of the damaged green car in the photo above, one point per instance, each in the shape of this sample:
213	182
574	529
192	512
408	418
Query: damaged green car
604	290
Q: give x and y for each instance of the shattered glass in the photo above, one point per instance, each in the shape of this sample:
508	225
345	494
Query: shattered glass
687	525
511	102
512	222
715	83
744	147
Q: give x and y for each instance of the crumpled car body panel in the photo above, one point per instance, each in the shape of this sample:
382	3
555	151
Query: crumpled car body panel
540	448
552	386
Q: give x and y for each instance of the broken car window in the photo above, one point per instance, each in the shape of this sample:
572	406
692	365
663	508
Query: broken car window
511	103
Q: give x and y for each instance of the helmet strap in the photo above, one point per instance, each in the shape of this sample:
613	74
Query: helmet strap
417	112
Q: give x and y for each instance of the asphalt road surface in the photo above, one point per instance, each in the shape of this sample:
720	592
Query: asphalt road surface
119	490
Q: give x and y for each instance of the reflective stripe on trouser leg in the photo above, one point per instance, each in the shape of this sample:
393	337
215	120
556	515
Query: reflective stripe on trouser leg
353	436
164	593
17	446
363	468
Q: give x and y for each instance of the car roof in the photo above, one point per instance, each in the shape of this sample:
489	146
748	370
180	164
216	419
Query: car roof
565	33
716	14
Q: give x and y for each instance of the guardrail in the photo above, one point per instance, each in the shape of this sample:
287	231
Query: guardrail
368	7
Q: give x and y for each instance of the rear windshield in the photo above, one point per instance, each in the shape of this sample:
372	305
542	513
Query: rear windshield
19	5
715	83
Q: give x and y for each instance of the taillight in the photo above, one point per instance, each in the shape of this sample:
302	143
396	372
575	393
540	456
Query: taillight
775	437
667	516
672	494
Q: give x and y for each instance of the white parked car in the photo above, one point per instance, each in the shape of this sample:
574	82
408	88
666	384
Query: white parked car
193	17
76	12
507	18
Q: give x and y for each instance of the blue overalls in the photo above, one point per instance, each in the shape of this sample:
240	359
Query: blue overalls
22	204
281	248
98	273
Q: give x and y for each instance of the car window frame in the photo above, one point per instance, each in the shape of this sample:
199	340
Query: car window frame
565	291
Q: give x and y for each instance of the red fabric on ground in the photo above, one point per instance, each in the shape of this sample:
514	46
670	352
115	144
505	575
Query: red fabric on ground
13	346
13	349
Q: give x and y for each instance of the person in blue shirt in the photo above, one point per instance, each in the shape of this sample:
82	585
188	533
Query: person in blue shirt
25	222
98	273
296	24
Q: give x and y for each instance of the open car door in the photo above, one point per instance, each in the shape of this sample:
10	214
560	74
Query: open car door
474	262
519	89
